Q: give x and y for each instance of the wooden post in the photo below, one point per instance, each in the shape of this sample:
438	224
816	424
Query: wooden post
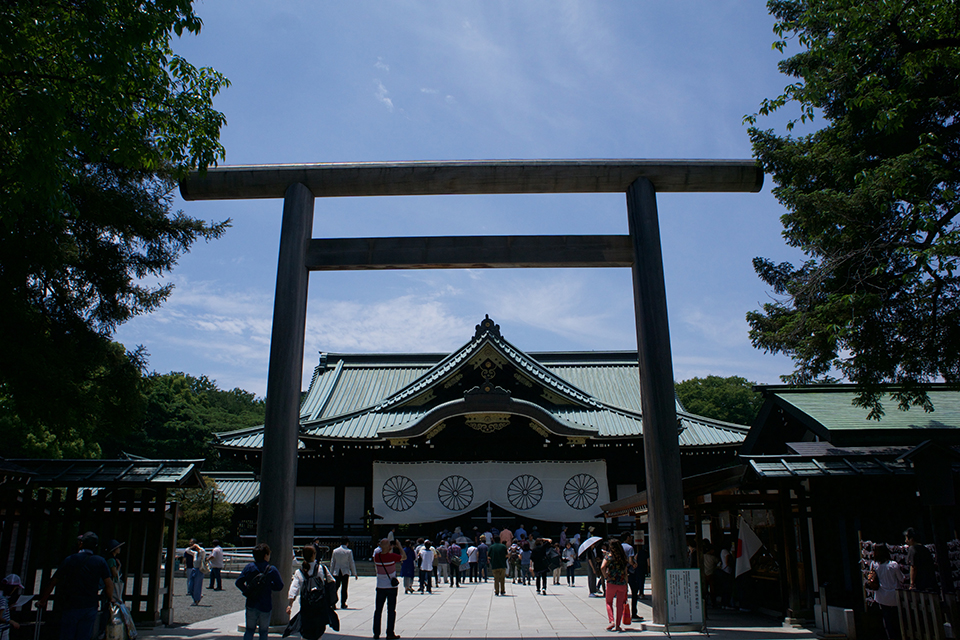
278	472
661	446
169	575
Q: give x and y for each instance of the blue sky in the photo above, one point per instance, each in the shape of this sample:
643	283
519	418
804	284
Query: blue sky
408	80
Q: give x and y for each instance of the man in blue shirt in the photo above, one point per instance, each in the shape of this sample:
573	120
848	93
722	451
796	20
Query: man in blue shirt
260	604
77	581
482	550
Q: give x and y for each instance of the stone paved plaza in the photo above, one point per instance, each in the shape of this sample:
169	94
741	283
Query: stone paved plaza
472	611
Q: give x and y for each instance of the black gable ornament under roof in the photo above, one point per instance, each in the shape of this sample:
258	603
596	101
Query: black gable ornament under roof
487	326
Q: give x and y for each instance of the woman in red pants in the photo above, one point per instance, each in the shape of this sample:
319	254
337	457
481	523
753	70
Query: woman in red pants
614	570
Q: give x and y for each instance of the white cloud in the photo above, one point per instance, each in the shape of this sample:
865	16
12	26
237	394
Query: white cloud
715	328
381	64
406	323
381	95
426	90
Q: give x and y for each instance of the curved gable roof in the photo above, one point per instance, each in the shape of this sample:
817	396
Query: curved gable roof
373	397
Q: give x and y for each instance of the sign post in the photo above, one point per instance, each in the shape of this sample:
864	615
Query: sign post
685	611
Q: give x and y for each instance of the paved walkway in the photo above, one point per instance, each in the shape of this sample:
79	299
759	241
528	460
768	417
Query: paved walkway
472	611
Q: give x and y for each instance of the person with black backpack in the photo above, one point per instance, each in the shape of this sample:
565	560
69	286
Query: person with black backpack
257	581
317	588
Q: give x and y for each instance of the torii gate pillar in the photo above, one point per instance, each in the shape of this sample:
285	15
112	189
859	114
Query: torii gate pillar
661	447
278	470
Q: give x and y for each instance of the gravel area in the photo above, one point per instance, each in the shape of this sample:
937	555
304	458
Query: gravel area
213	604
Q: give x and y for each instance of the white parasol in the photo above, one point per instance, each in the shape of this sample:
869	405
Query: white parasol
592	540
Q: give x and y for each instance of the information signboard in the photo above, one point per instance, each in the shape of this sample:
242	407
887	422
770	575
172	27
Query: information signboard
684	603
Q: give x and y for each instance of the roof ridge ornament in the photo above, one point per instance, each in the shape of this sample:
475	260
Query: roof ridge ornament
487	326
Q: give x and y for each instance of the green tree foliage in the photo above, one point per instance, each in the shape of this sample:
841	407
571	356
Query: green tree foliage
98	407
99	119
195	515
729	399
871	197
182	413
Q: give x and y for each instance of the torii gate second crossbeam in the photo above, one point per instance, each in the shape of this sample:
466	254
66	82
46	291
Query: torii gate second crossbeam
300	185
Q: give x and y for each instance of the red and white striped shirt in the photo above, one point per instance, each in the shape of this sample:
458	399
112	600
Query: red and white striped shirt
386	564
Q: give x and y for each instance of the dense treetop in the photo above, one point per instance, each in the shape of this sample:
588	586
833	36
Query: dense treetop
729	399
872	197
99	118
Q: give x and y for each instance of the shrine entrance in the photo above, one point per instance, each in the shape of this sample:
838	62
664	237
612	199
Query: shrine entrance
639	180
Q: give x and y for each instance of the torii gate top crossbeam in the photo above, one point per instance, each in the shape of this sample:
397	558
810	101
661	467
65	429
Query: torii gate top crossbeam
420	178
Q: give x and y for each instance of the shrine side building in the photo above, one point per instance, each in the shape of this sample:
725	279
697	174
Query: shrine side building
487	433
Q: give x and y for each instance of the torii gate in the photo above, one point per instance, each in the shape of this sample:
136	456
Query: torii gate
300	185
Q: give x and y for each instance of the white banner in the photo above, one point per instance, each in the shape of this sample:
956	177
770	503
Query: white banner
414	492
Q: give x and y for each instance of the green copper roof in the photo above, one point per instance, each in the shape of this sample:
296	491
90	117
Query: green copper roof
369	397
832	407
238	487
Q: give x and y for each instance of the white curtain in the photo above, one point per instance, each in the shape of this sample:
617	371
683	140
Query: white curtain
414	492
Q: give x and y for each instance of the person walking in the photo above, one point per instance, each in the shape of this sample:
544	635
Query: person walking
538	560
464	564
614	570
342	566
196	582
637	579
890	578
77	582
188	565
216	567
257	582
482	551
557	567
453	557
385	559
629	552
513	561
112	557
922	571
498	565
443	563
426	565
314	612
473	558
407	569
525	553
593	572
10	589
569	560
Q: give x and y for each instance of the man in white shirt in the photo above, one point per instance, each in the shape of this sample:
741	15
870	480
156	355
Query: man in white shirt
216	566
473	558
426	556
342	566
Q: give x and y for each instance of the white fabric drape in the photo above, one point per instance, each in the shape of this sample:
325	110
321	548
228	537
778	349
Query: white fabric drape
414	492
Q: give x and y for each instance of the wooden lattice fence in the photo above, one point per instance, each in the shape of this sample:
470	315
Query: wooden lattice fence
40	527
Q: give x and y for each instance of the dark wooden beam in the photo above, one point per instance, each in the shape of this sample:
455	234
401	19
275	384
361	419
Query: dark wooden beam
471	177
281	426
469	252
661	445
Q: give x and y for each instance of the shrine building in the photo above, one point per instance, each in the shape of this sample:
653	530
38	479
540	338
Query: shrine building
486	434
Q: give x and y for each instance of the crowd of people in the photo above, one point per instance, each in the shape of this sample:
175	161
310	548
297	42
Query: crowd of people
90	583
456	561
